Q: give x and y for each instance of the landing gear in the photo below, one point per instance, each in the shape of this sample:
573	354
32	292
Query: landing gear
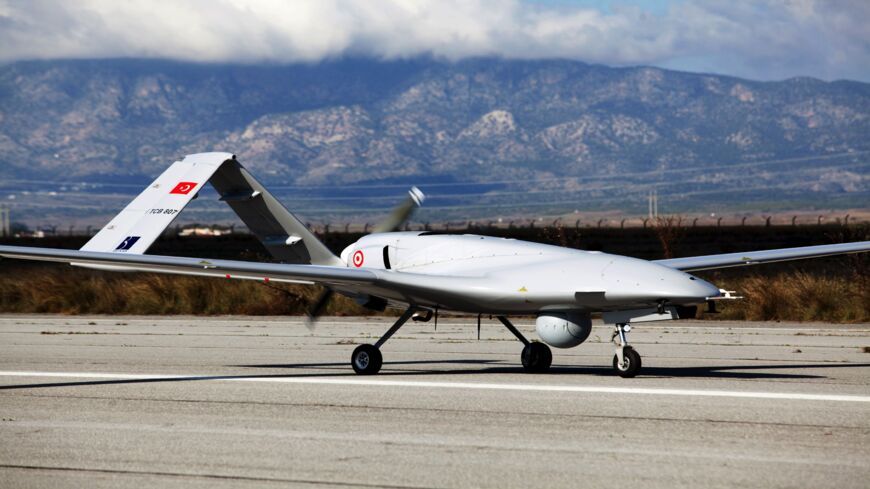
630	363
367	359
536	357
626	362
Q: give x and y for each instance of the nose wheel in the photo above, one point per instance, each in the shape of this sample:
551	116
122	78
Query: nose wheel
630	363
626	362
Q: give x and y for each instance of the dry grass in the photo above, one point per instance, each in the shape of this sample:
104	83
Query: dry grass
77	291
799	296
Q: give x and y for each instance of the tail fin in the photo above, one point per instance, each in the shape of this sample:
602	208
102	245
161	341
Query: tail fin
136	228
286	238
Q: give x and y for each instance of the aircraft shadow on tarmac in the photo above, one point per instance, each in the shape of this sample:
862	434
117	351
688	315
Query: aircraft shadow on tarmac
723	372
496	366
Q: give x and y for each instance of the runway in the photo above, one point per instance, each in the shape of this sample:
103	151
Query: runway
242	401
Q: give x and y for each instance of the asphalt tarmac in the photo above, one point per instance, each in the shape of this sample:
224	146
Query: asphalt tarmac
260	402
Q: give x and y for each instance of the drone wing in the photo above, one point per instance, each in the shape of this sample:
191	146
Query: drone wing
278	272
711	262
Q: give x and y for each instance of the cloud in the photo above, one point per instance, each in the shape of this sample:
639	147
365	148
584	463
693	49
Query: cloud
763	40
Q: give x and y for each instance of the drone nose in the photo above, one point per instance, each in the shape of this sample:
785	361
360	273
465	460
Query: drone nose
685	291
630	279
680	287
701	289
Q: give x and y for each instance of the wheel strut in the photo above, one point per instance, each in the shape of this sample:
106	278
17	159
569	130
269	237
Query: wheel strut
367	359
626	361
536	357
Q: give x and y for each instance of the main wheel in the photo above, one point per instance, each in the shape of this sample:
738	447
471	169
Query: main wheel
366	360
631	366
536	357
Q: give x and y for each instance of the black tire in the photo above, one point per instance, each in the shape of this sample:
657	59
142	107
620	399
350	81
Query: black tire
632	363
366	360
536	357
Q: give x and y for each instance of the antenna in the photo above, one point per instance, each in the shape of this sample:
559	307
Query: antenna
653	207
4	222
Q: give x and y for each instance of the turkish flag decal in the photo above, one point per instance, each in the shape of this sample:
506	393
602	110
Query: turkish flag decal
183	188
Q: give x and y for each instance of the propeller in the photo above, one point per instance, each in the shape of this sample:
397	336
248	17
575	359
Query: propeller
394	221
317	308
402	212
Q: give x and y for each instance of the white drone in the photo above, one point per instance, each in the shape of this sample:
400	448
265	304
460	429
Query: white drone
421	272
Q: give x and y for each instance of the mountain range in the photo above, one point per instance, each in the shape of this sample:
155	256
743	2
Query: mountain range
481	132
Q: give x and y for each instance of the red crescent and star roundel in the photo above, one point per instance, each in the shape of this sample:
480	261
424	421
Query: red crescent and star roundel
358	258
183	188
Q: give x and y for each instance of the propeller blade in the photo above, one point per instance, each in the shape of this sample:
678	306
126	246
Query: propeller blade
317	308
402	212
393	222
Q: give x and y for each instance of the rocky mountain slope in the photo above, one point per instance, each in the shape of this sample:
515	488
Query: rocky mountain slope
537	125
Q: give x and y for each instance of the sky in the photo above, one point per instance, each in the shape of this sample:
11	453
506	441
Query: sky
762	40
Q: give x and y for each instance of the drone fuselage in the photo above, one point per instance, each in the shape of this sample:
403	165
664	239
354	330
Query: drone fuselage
482	274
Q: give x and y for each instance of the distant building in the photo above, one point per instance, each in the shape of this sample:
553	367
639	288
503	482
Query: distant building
205	231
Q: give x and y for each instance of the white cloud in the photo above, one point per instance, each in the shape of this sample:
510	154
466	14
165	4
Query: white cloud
767	40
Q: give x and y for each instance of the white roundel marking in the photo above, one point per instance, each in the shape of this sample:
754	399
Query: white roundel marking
358	258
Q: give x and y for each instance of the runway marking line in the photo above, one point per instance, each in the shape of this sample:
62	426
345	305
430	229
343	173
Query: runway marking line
793	396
